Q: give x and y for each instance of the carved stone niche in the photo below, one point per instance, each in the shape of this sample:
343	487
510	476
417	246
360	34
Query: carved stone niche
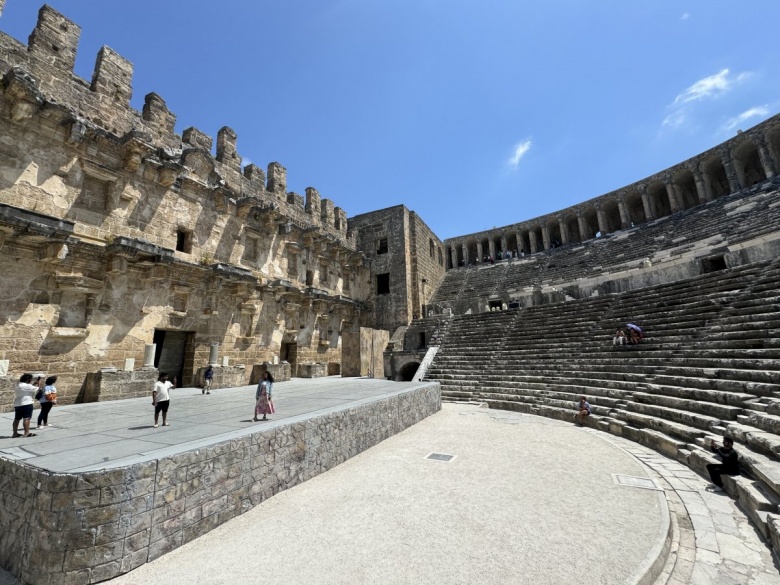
99	189
77	304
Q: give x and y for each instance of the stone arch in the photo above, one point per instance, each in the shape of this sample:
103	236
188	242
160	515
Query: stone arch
747	164
773	145
459	253
686	188
611	213
511	242
407	371
471	246
485	249
715	177
554	230
497	247
525	243
636	208
659	199
539	238
573	229
591	222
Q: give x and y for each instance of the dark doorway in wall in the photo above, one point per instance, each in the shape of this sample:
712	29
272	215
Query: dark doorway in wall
289	353
408	371
422	340
175	355
383	284
713	264
494	304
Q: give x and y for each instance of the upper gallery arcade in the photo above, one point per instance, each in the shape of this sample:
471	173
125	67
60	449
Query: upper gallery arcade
749	158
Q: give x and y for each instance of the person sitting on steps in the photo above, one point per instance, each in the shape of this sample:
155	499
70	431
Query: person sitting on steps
583	410
729	465
619	338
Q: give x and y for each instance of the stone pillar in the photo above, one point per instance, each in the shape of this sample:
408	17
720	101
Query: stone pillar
671	193
532	241
564	231
602	221
701	186
213	353
546	237
465	254
766	158
731	174
583	228
519	238
149	351
504	246
454	256
649	213
492	248
480	255
625	216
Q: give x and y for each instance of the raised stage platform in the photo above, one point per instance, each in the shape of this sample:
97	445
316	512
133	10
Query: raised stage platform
102	491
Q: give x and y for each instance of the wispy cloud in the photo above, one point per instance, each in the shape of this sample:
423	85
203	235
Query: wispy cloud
756	112
675	120
710	87
520	151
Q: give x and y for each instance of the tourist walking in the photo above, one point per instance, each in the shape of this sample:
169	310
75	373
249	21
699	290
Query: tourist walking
208	376
161	398
262	404
48	399
270	379
23	405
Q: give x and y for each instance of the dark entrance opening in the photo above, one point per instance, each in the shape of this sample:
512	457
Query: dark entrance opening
422	340
289	353
408	371
175	355
494	304
713	264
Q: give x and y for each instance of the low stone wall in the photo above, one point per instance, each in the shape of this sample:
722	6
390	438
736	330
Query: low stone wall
281	372
7	385
224	377
88	527
312	370
117	385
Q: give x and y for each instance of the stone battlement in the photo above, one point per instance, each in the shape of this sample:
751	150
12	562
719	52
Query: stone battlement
38	79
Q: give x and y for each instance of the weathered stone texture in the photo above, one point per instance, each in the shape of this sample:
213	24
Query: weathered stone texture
224	377
362	352
280	372
96	525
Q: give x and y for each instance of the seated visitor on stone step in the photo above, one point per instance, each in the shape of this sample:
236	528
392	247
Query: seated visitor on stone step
730	462
635	333
583	410
619	338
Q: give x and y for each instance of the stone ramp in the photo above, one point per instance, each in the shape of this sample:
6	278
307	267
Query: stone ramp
104	492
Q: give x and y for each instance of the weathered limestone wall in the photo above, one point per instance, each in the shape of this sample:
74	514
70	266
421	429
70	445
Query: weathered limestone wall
88	187
88	527
280	372
117	385
312	370
428	264
224	377
362	353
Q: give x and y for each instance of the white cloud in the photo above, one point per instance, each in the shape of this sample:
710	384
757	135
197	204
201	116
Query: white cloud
711	86
520	151
675	120
685	16
755	112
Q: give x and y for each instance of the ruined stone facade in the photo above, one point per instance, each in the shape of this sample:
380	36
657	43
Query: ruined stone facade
406	260
117	233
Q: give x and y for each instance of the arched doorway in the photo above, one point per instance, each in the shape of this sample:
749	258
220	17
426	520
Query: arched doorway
715	177
747	163
636	208
686	186
408	371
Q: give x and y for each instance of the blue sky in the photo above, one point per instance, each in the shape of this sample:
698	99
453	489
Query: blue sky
473	114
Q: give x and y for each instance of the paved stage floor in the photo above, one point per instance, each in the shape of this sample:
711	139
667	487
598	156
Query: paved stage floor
99	435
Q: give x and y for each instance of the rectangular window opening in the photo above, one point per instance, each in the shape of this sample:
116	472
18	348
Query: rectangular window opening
713	264
382	249
184	241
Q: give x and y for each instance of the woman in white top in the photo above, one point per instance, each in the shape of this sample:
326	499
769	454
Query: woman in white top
23	404
161	399
48	400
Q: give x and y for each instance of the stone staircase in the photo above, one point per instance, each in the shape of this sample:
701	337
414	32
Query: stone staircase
708	367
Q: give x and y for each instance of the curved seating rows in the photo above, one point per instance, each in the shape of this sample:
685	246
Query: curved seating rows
733	219
709	366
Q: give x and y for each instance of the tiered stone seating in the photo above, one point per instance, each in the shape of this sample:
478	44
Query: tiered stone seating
709	367
736	218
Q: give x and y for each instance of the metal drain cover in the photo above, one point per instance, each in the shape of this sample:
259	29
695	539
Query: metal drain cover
440	457
638	482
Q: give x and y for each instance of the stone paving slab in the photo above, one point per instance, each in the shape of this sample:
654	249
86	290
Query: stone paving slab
110	434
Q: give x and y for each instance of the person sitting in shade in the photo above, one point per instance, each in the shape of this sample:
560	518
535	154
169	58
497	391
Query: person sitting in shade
619	338
583	411
635	333
729	465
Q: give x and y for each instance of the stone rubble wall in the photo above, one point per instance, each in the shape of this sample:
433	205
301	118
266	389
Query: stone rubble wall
117	385
224	377
88	527
280	372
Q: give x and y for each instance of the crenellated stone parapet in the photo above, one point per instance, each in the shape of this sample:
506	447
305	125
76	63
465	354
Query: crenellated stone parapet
750	158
